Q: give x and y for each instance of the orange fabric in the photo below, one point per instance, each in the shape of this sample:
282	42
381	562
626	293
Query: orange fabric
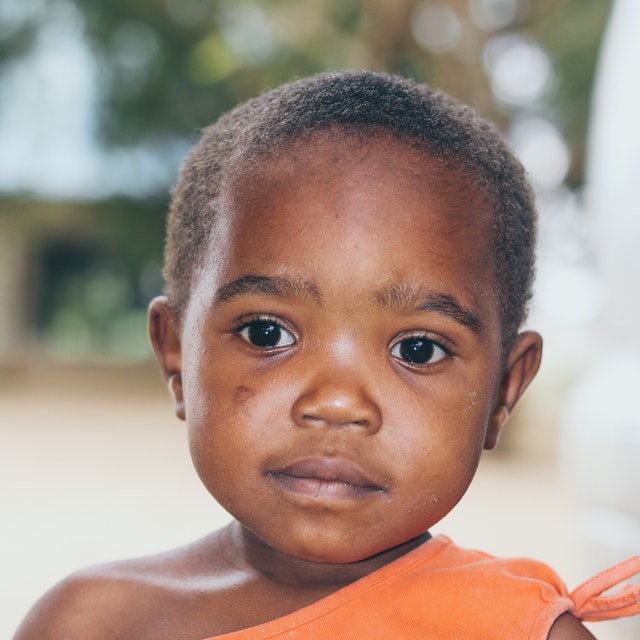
440	591
590	604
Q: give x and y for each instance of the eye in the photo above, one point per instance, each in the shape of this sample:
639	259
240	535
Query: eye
418	350
265	333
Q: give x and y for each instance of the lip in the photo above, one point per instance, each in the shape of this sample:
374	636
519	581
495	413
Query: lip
326	478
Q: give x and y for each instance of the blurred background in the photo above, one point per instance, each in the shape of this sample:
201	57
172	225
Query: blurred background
99	102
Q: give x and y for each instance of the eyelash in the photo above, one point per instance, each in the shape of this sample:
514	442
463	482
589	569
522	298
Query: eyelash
268	329
432	345
245	325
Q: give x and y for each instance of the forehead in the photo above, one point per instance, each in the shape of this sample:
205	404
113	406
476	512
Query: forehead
360	165
378	208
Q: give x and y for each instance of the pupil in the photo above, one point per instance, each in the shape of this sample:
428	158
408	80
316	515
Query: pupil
263	333
416	350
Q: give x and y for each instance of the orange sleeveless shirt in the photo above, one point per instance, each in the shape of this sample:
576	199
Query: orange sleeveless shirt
439	591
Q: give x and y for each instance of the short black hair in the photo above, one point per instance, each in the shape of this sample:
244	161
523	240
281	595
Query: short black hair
369	104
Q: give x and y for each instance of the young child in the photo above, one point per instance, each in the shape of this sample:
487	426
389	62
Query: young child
349	261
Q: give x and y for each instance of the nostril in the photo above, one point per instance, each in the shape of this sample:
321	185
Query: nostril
307	417
332	405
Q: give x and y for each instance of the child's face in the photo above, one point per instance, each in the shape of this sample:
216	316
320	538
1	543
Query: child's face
339	362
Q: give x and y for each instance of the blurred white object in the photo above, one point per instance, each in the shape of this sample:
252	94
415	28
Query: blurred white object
601	438
614	168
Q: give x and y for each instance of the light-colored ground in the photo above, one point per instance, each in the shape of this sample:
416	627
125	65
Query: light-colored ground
93	467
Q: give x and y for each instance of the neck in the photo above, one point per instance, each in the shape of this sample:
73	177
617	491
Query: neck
296	573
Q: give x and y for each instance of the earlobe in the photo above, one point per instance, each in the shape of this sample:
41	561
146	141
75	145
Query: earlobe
174	384
521	367
164	333
498	420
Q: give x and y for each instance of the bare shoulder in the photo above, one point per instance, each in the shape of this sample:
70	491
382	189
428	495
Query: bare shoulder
84	605
568	627
126	599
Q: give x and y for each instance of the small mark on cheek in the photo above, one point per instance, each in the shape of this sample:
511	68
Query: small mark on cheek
428	499
242	394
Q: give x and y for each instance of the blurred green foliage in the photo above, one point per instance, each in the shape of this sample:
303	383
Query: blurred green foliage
167	68
170	67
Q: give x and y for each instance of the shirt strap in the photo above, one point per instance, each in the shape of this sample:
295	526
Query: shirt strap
589	602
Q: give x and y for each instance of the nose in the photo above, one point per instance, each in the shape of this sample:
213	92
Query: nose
337	402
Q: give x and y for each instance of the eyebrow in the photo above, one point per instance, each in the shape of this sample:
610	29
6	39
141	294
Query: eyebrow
402	296
280	286
396	296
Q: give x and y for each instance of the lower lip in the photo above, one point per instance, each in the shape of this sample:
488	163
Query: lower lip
323	489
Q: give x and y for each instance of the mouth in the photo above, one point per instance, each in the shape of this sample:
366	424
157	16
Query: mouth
326	478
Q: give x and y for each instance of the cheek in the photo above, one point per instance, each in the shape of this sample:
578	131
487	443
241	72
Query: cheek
242	396
437	481
231	416
444	442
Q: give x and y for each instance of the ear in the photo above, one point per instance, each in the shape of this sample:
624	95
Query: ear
521	366
164	332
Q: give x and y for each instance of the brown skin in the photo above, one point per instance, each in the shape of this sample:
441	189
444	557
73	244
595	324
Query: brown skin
329	431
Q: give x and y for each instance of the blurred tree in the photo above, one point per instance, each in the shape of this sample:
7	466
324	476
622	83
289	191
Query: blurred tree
18	30
166	68
571	32
169	67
